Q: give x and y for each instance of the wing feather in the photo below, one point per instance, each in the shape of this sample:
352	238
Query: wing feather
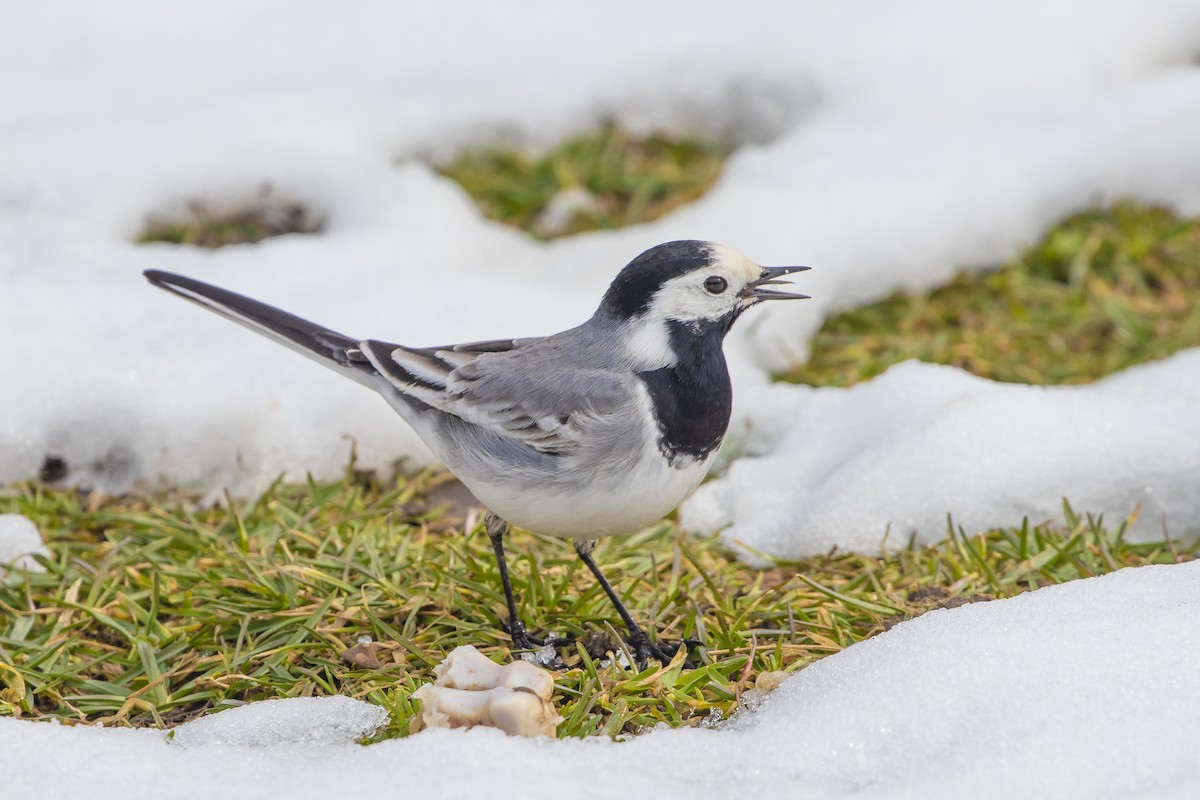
484	384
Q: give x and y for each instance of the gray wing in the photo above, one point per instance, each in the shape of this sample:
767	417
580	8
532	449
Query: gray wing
507	387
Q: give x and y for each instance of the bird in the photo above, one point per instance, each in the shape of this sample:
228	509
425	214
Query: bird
599	430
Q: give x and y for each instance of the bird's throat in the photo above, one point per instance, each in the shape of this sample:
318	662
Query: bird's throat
693	397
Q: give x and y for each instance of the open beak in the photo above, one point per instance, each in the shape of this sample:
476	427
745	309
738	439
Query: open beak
771	276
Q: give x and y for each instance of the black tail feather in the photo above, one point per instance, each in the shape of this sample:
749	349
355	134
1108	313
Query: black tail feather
333	349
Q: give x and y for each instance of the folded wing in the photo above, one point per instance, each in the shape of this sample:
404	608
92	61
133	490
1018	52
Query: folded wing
505	387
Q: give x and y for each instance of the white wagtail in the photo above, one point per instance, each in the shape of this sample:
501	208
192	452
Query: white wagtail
602	429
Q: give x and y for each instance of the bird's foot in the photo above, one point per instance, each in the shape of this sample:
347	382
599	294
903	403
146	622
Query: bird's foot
543	652
662	652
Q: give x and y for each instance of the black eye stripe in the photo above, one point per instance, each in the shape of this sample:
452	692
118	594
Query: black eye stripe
716	284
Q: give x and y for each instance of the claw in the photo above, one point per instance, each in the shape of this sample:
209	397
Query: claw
538	651
520	636
644	649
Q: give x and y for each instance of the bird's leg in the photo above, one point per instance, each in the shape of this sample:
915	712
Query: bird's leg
642	646
496	530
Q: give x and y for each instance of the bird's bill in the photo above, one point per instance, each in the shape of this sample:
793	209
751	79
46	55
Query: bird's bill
771	276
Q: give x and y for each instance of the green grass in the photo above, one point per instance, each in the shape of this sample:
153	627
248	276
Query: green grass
624	179
1101	292
150	614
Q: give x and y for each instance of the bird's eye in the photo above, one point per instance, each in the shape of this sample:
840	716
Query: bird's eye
716	284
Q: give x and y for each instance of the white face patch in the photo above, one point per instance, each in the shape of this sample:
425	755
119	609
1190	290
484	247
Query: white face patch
687	300
648	345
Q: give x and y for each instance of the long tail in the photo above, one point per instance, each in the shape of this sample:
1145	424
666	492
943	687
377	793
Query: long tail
330	348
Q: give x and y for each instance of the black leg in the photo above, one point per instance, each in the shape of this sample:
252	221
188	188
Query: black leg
496	529
642	646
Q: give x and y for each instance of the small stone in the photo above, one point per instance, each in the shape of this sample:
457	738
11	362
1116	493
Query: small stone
769	681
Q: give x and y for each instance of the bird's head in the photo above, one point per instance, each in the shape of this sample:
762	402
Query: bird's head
694	283
699	286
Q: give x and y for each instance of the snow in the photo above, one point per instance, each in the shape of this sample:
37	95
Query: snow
991	452
19	542
293	720
1078	690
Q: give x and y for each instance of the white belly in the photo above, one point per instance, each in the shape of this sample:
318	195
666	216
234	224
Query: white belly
598	505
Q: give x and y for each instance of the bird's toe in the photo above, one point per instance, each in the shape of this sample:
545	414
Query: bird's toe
662	652
543	652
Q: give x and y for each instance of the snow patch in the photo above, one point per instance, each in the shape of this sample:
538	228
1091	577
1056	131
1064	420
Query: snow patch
890	457
20	541
294	720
